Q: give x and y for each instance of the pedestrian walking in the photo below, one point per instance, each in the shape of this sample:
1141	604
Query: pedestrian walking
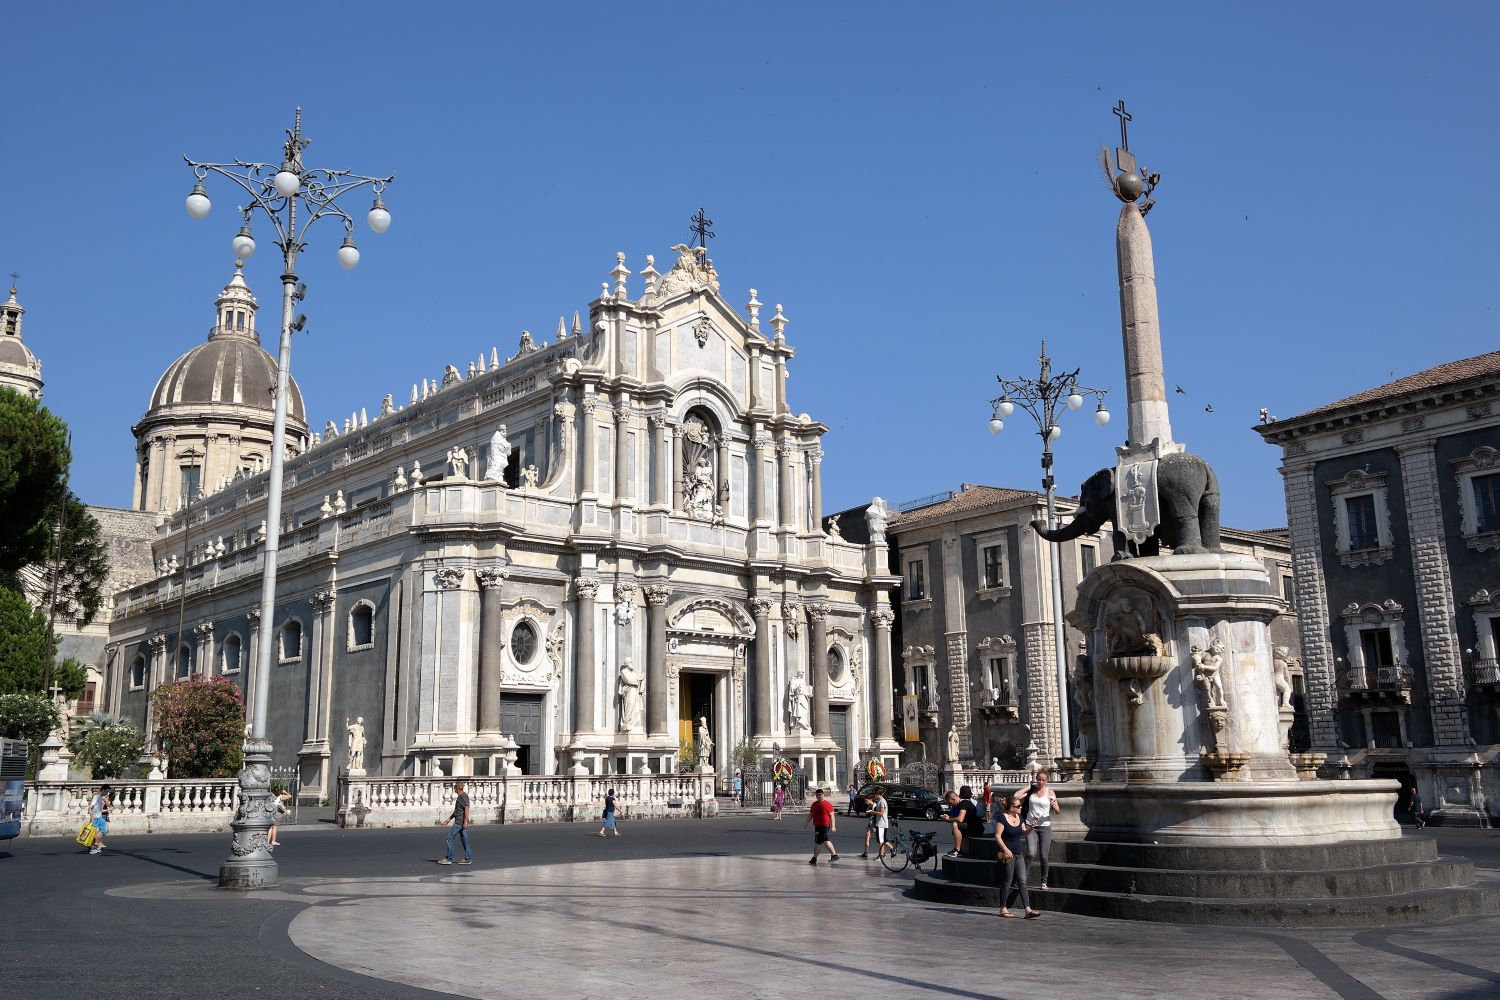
879	813
460	829
778	801
99	816
853	797
611	814
739	786
1041	802
822	816
965	818
1010	837
1416	808
279	796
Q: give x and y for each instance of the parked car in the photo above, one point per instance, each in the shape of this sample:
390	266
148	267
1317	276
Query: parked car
12	786
905	800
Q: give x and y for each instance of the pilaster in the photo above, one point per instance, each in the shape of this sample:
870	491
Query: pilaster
1318	668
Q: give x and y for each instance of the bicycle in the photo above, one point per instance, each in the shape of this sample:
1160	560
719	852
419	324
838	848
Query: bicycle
902	848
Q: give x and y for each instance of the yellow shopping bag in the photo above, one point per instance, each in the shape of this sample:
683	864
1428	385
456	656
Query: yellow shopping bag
86	834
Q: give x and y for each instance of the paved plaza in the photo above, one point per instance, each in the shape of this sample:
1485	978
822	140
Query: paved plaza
728	908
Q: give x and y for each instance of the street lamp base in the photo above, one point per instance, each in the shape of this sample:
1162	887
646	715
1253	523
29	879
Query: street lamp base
250	864
238	874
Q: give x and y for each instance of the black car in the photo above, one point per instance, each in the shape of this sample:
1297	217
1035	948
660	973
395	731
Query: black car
904	800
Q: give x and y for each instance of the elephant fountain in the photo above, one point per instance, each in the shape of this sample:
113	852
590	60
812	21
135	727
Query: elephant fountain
1188	497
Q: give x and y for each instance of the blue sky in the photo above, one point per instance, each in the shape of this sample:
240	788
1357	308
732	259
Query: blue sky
919	189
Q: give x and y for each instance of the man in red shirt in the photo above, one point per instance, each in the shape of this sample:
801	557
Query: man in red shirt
822	817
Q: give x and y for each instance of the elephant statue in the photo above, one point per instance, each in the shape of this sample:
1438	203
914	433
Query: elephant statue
1188	494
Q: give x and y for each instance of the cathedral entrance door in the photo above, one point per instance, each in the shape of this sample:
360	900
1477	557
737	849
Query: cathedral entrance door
521	720
838	728
695	698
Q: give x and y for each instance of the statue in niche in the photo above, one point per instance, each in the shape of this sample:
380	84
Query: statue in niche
1131	627
705	743
1206	664
799	695
458	462
356	731
530	475
700	492
953	745
629	691
1281	665
499	457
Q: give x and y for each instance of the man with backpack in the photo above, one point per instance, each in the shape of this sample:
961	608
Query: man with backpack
966	817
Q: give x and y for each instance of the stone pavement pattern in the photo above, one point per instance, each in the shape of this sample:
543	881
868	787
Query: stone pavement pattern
771	926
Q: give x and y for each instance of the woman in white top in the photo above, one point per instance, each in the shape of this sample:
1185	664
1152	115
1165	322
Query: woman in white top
1041	805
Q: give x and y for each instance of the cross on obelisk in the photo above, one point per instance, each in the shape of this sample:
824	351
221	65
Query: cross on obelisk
701	222
1124	158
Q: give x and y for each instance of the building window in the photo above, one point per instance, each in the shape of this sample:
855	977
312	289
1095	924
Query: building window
916	583
85	706
997	679
1479	498
994	566
361	626
835	665
1375	643
184	663
192	476
1363	531
291	642
1088	558
230	654
523	642
1374	635
138	673
1362	519
1289	590
1487	502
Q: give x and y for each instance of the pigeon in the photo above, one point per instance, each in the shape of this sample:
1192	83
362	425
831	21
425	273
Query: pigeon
1209	408
1181	391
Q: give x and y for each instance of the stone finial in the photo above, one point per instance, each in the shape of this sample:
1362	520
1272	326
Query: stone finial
577	326
753	308
778	322
414	392
400	484
364	417
650	274
219	548
481	366
260	533
604	291
327	508
473	369
339	504
620	273
416	474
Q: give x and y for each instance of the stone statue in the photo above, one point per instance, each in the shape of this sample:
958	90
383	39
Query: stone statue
705	743
450	376
356	731
876	517
700	498
458	462
1206	672
387	405
834	531
494	470
953	747
1131	629
1187	492
1281	664
629	690
530	475
799	697
1083	686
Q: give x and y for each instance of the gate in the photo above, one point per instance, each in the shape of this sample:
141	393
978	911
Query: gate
758	787
923	774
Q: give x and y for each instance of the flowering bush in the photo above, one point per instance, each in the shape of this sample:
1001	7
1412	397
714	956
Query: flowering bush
108	745
200	727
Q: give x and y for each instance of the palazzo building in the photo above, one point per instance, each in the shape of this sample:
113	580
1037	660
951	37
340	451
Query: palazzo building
584	549
1393	495
975	630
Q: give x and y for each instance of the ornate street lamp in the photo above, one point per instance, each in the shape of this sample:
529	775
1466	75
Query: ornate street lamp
292	197
1044	398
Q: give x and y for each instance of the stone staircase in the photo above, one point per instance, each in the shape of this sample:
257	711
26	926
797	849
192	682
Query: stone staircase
1362	884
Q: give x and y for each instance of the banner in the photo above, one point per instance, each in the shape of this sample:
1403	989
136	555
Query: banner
909	717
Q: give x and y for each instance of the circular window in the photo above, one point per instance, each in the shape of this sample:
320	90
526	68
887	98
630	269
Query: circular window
523	642
835	664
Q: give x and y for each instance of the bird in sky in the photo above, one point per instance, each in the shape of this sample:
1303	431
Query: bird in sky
1209	408
1181	391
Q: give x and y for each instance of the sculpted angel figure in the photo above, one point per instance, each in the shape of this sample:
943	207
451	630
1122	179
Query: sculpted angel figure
458	462
1206	672
1281	664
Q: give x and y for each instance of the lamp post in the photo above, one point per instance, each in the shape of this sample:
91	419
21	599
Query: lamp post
1044	398
277	192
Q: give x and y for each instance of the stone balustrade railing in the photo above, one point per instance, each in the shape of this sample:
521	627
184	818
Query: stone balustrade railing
170	805
518	798
978	778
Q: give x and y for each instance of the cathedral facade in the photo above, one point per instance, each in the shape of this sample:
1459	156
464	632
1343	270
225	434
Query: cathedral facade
574	556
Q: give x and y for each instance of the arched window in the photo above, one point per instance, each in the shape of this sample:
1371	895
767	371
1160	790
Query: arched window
184	662
138	672
291	641
361	626
835	664
231	654
523	642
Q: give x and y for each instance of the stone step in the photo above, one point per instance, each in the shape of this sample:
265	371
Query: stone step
1293	857
1416	907
1374	880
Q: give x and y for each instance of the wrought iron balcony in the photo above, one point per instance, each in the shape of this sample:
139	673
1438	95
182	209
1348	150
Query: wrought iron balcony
1487	674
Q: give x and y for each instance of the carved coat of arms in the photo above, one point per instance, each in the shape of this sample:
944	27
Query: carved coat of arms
1137	509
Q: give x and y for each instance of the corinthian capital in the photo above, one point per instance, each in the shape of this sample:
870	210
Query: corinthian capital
586	587
816	613
491	577
657	595
760	607
882	619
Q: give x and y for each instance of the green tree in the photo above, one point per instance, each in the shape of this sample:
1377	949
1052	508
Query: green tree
200	726
28	716
75	567
108	745
27	648
34	459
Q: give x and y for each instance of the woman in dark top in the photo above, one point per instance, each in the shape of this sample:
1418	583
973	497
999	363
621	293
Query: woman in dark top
1010	837
610	815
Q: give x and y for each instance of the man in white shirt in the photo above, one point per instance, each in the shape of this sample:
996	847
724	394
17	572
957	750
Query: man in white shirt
879	813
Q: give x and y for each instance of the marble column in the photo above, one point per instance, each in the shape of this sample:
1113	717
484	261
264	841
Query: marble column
764	702
624	488
662	470
816	458
491	645
656	659
785	516
676	447
759	443
817	637
583	669
880	725
588	436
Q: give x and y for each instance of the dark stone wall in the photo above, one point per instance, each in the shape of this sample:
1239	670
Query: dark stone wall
359	675
286	718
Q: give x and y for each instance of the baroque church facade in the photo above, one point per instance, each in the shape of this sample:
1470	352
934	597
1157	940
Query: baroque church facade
574	556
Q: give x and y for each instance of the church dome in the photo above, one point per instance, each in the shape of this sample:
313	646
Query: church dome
231	370
19	368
